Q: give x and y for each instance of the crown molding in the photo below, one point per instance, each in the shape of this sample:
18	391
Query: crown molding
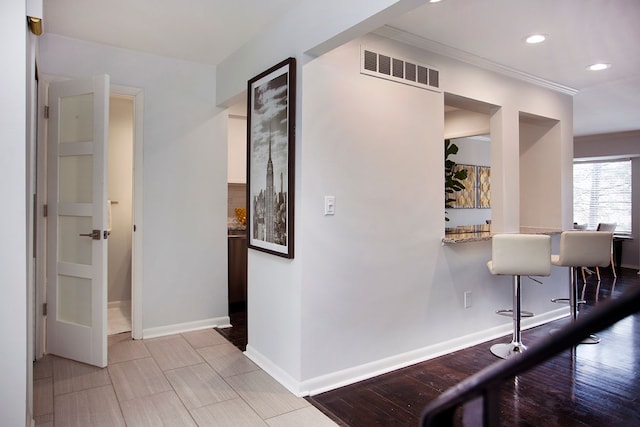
460	55
608	136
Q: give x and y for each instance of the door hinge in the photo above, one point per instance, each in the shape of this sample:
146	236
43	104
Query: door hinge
45	210
46	111
44	309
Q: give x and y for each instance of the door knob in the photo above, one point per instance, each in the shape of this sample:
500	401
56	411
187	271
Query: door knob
95	235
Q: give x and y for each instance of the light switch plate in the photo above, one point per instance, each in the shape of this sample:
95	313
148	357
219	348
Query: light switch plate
467	299
329	205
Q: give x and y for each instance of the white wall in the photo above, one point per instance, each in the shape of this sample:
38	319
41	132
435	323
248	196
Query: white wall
13	304
619	145
274	291
462	123
377	146
237	155
185	178
540	173
376	287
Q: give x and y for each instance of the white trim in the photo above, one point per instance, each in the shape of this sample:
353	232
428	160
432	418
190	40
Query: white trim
179	328
41	221
117	304
290	383
448	51
372	369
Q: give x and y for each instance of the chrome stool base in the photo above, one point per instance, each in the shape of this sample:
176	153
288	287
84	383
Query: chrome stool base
506	350
591	339
509	312
567	300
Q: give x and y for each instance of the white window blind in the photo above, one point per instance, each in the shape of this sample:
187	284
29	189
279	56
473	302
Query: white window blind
602	193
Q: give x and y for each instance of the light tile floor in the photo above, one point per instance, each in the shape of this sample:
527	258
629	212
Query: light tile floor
119	317
191	379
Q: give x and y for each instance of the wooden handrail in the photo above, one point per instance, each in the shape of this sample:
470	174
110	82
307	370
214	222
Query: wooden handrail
486	383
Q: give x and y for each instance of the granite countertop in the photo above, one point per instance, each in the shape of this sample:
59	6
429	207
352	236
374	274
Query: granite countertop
478	233
235	228
467	233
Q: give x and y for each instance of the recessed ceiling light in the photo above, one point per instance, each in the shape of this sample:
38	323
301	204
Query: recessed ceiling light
535	38
598	67
435	1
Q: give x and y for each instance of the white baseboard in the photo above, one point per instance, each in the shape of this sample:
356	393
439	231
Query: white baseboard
179	328
372	369
118	304
275	371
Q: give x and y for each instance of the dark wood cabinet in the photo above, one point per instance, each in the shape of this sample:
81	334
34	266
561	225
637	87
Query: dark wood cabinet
237	254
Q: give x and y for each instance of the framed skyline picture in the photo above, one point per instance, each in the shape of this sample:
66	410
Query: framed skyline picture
271	160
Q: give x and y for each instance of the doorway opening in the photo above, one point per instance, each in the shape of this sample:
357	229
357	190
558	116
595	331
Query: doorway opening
129	105
120	213
236	236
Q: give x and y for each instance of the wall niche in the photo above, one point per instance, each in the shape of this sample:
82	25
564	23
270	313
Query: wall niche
467	124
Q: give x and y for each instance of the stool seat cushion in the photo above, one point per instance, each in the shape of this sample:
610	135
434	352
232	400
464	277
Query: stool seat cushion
584	248
520	254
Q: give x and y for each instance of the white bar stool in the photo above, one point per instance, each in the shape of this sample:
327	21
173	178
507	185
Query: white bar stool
577	249
518	255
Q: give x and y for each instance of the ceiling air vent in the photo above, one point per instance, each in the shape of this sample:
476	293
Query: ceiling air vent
399	70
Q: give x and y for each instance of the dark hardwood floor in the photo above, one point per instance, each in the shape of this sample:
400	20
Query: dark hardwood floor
237	333
589	385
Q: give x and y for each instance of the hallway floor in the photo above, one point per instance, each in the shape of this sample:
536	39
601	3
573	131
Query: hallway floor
202	378
191	379
119	317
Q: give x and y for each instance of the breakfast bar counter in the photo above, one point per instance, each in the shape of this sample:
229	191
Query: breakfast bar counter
477	233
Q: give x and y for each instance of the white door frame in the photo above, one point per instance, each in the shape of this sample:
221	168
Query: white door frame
41	220
136	248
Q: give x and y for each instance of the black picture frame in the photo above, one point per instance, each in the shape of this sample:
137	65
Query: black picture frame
271	99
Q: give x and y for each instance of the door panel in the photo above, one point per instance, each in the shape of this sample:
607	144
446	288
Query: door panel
77	198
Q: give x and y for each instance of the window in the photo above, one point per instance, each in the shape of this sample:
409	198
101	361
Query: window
602	193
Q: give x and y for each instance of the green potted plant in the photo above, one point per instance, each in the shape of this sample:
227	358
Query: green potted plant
453	179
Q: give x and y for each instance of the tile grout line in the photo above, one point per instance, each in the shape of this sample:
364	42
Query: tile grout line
51	416
114	392
164	374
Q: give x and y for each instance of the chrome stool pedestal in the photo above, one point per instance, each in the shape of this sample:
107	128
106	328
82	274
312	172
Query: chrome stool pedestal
504	350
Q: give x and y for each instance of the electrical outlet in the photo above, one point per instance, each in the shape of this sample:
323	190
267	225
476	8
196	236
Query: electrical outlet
467	299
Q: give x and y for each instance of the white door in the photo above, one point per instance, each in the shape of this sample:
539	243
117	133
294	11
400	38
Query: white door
77	214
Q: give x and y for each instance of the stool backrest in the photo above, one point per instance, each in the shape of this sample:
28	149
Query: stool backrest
607	226
585	249
521	254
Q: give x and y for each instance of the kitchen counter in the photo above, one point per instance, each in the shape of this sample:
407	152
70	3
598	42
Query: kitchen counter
467	233
478	233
